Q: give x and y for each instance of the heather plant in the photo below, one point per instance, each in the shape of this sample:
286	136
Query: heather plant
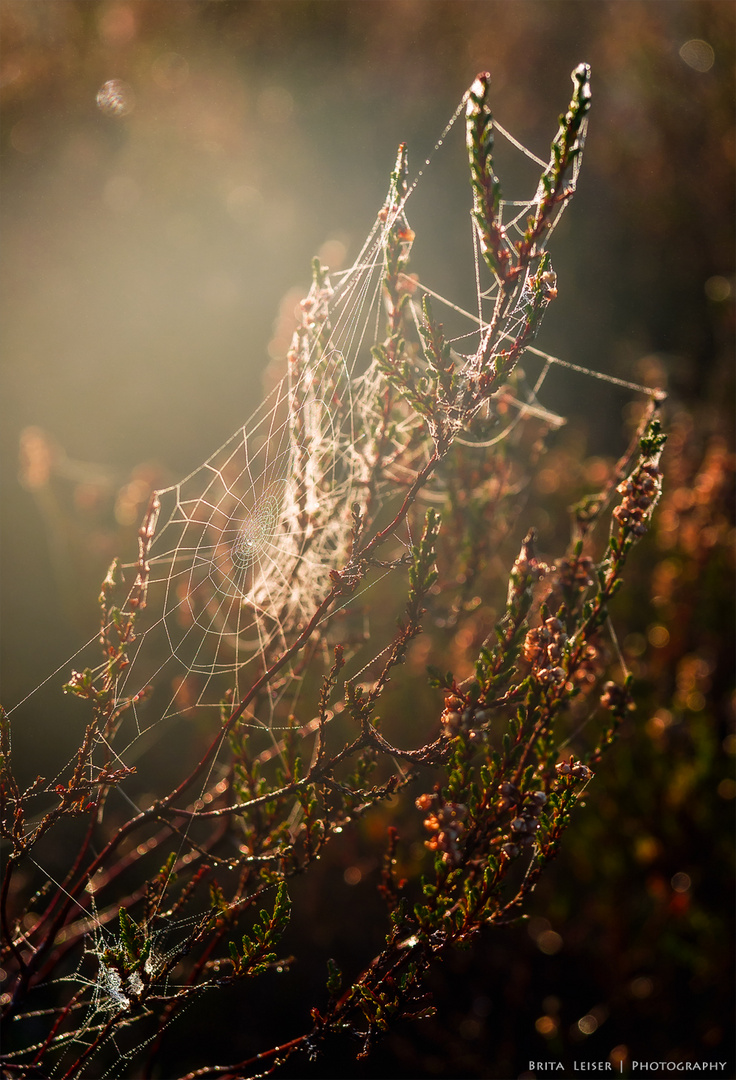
393	457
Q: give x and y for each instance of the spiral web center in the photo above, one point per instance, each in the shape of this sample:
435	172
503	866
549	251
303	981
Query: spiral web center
257	530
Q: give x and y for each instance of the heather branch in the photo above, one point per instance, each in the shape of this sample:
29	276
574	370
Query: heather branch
494	244
567	148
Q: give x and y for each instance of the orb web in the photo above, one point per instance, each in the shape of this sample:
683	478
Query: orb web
244	546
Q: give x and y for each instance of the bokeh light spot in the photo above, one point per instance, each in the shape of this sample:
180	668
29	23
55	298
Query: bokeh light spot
596	471
118	24
333	252
635	644
588	1024
658	636
547	481
641	987
618	1055
646	849
115	98
470	1028
658	724
698	54
718	288
727	788
695	701
549	942
546	1026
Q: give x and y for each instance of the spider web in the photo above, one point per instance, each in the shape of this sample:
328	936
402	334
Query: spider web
243	547
103	998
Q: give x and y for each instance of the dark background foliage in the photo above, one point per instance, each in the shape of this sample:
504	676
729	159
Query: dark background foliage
145	258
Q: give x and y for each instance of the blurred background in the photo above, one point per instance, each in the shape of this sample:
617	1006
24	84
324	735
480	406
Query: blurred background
168	170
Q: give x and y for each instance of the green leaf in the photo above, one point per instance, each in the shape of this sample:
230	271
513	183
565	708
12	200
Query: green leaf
334	978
